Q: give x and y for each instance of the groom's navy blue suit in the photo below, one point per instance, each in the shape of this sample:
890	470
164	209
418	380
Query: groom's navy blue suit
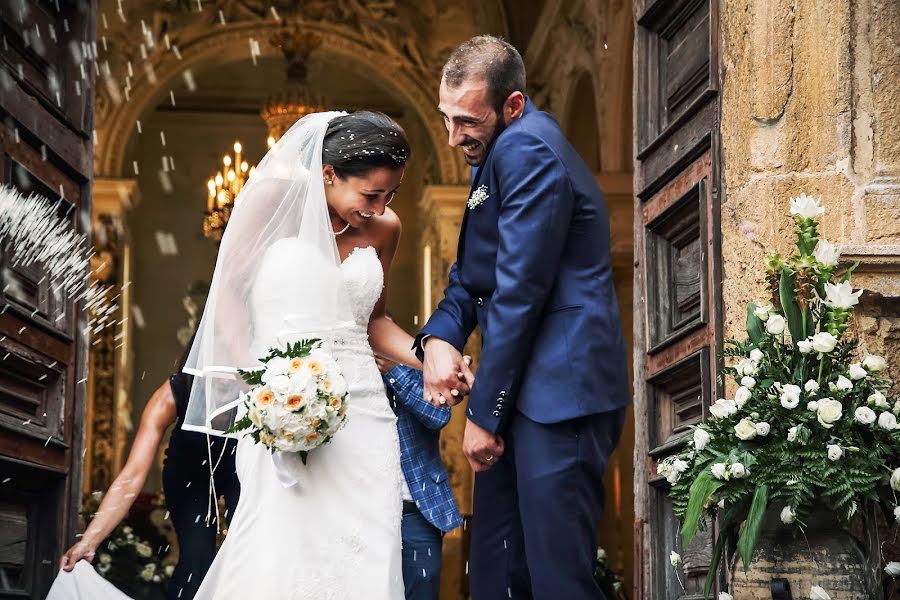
533	271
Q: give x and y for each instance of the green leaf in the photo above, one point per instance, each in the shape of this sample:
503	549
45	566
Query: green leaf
789	305
754	325
849	272
714	565
701	489
750	534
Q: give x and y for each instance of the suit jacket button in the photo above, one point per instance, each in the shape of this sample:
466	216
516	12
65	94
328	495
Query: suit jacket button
480	301
499	406
503	394
496	413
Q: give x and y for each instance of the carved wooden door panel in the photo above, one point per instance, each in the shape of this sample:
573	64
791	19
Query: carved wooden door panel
46	97
676	270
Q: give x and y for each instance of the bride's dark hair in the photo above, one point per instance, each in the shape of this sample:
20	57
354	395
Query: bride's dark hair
364	140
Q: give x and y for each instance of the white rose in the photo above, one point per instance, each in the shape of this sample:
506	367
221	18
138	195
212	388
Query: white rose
675	559
276	366
817	593
738	471
763	312
865	415
887	421
878	400
895	479
762	428
792	434
826	253
748	382
811	386
788	516
812	405
745	429
776	324
723	408
719	471
828	412
678	467
897	513
844	384
601	554
790	396
746	367
835	452
841	295
725	596
701	439
741	396
857	372
805	346
892	569
807	207
896	409
823	342
756	355
874	363
280	384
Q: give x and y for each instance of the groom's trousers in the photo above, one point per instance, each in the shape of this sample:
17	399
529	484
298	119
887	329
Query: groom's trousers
536	512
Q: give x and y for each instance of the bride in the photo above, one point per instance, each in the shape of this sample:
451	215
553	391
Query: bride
306	254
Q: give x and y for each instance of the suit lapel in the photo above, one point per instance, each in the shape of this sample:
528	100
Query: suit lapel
476	179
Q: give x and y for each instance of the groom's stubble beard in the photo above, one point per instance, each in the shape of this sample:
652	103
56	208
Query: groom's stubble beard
499	126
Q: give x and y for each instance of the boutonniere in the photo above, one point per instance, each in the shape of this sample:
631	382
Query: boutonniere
478	197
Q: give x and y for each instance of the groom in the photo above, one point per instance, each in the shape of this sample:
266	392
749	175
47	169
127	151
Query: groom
533	271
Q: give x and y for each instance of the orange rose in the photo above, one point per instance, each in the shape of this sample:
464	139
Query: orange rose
316	423
294	402
296	365
334	402
265	398
312	437
315	368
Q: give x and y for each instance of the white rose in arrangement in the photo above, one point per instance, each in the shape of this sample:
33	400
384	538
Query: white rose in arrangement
878	400
841	295
865	415
280	384
723	409
745	429
887	421
748	382
874	363
812	405
701	439
857	372
792	434
895	479
720	470
756	355
788	516
725	596
896	409
826	253
276	366
790	396
675	559
897	513
806	207
817	593
823	342
746	367
763	428
828	412
678	467
835	452
811	386
738	471
763	312
805	346
893	569
776	324
741	396
844	384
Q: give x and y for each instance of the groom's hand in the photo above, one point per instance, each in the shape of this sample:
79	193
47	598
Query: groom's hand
482	448
446	373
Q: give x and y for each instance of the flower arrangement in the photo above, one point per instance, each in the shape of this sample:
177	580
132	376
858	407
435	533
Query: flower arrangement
609	581
811	423
297	402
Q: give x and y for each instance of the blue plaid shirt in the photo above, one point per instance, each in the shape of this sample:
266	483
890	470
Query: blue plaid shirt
419	425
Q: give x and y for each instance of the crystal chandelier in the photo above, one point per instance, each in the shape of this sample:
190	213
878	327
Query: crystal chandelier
222	190
295	101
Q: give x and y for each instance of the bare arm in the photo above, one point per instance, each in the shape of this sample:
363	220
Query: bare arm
158	416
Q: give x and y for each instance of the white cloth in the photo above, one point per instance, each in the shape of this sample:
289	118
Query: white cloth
335	535
83	583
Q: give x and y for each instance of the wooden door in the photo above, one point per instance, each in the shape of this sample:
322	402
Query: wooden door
676	270
46	103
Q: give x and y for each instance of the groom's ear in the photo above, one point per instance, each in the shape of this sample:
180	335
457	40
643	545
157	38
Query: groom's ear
514	107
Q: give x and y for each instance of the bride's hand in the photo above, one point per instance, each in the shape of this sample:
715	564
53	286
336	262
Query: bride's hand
81	549
446	372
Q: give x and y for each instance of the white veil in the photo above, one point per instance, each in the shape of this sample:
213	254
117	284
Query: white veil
283	200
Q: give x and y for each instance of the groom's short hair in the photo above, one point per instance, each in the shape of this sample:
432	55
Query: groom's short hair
492	59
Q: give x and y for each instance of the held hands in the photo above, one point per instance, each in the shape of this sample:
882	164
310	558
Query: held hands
482	448
82	549
447	374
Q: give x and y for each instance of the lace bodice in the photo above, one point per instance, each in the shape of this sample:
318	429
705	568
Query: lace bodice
364	281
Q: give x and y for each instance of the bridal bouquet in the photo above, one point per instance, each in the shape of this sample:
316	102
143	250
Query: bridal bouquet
810	423
297	402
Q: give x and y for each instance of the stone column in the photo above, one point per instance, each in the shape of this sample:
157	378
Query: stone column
109	380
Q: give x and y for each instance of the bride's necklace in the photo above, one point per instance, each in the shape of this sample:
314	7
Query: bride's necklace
346	227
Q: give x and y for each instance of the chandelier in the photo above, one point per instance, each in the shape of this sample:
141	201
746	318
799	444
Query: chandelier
295	101
222	190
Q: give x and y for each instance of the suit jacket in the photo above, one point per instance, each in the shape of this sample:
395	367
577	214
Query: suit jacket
533	271
419	425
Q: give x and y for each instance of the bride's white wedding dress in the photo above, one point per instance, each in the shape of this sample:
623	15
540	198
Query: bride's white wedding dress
335	534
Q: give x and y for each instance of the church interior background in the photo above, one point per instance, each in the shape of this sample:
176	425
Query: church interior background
179	82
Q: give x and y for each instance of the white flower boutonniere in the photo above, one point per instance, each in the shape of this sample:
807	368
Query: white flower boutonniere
478	197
